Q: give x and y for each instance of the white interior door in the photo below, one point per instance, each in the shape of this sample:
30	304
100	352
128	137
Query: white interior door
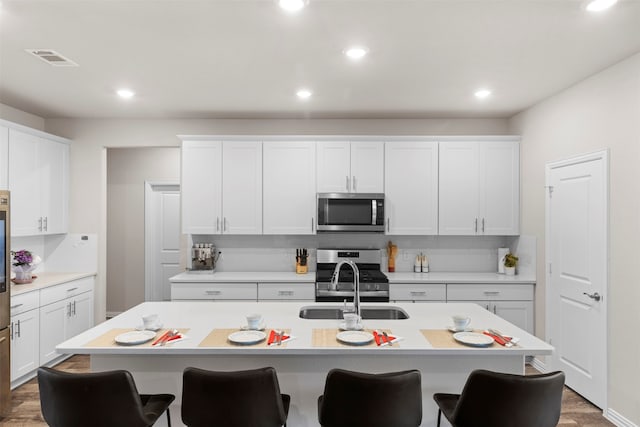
577	253
162	239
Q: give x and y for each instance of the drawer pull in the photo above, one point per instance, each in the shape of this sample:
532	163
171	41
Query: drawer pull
213	292
285	293
16	306
72	289
418	293
491	292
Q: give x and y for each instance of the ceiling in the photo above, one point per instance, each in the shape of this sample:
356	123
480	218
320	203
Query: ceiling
247	58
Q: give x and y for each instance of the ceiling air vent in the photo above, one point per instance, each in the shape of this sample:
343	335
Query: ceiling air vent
52	57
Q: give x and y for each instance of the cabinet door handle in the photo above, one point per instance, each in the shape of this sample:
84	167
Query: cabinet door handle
16	306
418	293
69	310
487	307
18	330
476	225
388	222
347	180
74	307
11	329
217	223
494	309
46	223
285	293
483	225
224	223
213	292
312	224
40	224
353	184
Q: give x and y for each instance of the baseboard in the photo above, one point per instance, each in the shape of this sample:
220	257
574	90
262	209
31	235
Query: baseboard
539	365
618	419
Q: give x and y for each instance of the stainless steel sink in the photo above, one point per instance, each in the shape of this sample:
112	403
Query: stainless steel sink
335	312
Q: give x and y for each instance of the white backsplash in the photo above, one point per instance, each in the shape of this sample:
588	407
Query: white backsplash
61	252
445	253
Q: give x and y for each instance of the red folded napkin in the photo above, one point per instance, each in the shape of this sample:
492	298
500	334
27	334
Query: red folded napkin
273	335
381	339
497	338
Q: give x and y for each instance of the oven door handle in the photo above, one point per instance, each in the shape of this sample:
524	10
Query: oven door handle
374	212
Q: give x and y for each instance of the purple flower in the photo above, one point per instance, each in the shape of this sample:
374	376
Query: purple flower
22	257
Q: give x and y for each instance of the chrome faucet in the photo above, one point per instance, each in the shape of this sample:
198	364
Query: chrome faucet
356	282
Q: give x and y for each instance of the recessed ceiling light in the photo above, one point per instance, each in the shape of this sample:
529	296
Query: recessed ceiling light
292	5
482	93
125	93
600	5
356	52
303	93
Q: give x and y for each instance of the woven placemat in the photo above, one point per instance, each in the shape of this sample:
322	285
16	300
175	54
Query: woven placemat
219	338
327	338
442	338
108	339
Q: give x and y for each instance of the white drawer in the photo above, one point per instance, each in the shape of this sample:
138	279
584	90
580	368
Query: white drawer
25	302
417	292
286	291
489	292
69	289
214	291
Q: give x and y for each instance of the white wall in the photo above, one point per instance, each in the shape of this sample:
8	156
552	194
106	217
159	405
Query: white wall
13	115
600	112
127	171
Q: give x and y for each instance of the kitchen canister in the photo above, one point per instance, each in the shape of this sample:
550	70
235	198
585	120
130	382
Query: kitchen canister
502	252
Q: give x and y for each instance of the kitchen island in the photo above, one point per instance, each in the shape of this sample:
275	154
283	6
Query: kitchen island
302	364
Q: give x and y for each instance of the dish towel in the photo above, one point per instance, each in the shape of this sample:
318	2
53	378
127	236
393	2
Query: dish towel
273	338
382	341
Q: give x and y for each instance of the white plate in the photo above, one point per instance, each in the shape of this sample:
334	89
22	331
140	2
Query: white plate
343	327
473	339
247	337
354	337
467	329
135	337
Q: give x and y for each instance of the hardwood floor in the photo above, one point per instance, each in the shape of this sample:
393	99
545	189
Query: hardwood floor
25	409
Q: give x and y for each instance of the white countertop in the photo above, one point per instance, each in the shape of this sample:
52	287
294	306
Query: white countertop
46	279
248	276
455	277
310	277
201	317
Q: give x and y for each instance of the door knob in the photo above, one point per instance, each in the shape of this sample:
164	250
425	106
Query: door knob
594	296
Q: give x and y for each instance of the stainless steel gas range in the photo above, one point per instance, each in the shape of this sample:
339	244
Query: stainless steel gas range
374	284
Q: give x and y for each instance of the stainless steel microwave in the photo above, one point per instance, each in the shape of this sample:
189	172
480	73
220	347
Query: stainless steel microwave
353	212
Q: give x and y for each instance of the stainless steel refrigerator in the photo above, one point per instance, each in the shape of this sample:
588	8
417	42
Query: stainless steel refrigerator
5	289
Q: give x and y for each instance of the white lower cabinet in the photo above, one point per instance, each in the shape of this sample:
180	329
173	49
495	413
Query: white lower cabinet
411	292
286	292
214	291
24	343
42	319
65	311
512	302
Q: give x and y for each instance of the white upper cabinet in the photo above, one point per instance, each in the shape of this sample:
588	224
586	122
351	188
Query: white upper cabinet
201	187
411	183
479	188
289	183
350	167
222	187
242	187
39	184
4	158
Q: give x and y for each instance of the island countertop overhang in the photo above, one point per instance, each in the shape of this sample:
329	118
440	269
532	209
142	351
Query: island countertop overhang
201	317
